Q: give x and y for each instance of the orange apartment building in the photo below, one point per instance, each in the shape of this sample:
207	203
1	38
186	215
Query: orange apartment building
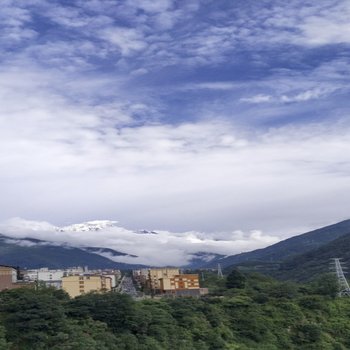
170	281
182	284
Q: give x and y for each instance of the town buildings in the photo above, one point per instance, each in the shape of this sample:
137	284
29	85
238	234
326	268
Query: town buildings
169	281
81	284
155	275
9	278
75	280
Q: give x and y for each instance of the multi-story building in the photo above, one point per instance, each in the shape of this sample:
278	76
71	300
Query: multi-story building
114	274
184	285
9	278
169	281
81	284
155	275
51	277
140	276
187	281
44	274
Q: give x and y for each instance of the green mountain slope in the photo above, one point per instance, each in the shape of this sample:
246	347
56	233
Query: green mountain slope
309	265
289	247
41	254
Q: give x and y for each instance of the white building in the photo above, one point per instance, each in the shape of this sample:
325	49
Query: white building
51	278
44	274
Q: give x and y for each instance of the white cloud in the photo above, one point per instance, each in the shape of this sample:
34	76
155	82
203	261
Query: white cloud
152	6
163	248
300	96
127	40
257	99
80	140
305	96
328	26
61	160
13	21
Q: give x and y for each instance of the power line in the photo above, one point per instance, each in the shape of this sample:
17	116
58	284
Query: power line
344	289
220	275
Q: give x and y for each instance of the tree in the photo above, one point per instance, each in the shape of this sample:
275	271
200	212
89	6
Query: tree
32	318
235	279
3	344
326	284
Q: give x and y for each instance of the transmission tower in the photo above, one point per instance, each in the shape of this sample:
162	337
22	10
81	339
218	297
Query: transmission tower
220	275
344	289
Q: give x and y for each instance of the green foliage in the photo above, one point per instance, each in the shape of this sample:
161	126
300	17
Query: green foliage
116	310
326	284
264	314
215	284
3	343
235	279
31	318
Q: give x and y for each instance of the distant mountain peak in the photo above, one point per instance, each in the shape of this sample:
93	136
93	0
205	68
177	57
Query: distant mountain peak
146	232
94	225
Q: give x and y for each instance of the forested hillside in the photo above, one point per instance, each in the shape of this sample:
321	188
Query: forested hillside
34	253
289	247
307	266
243	312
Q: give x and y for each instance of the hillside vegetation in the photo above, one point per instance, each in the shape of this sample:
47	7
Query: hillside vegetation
307	266
289	247
32	253
254	313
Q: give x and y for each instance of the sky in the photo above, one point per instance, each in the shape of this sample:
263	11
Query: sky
184	116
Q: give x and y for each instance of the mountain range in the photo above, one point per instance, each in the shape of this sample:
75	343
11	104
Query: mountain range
35	253
290	247
300	257
106	239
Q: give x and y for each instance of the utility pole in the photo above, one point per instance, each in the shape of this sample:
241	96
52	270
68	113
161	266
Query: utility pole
220	275
344	289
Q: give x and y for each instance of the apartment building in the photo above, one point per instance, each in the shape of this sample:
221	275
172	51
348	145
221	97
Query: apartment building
185	281
81	284
44	274
169	281
140	276
155	275
9	278
182	285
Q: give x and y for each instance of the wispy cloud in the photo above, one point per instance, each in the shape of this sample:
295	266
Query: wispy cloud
257	99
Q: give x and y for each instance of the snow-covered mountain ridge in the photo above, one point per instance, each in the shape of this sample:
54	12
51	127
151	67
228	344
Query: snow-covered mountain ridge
95	225
143	246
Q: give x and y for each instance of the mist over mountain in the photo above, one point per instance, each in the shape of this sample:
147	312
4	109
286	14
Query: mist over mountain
289	247
104	243
301	258
146	247
34	253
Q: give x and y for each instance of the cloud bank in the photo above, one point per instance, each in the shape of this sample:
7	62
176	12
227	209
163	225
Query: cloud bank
180	115
159	248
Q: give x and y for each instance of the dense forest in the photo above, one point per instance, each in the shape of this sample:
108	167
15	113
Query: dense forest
243	311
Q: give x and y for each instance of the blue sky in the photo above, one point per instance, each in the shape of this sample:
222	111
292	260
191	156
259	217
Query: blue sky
202	115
